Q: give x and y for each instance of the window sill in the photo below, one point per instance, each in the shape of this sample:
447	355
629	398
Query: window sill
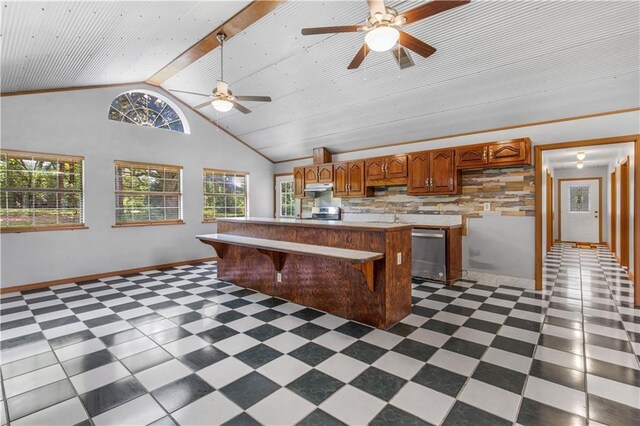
133	224
42	228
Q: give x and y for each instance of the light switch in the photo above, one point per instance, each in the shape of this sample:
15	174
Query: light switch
399	258
279	277
487	207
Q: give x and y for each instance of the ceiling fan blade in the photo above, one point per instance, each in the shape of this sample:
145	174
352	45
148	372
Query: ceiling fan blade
189	93
222	87
202	105
329	30
402	57
432	8
418	46
359	58
240	108
254	98
376	6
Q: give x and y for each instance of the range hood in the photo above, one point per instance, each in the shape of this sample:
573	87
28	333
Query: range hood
318	187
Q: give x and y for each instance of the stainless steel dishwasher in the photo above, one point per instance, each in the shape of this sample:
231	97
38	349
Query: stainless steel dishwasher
429	254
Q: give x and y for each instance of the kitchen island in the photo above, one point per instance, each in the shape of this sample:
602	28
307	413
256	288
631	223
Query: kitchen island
359	271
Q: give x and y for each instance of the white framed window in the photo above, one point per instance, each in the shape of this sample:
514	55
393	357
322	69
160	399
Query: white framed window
225	194
148	109
40	191
147	194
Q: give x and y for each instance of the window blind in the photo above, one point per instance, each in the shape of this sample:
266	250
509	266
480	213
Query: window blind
40	191
225	194
147	193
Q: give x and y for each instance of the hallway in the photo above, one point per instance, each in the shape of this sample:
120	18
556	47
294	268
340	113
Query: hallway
590	341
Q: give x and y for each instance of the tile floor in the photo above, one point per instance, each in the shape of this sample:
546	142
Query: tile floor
178	346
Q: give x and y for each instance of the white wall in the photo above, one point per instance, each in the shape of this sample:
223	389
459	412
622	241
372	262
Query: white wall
488	237
601	172
75	123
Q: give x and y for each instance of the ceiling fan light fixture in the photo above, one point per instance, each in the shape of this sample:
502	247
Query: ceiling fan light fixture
580	164
581	155
221	105
382	38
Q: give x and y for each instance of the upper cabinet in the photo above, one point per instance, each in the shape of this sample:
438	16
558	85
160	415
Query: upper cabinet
516	152
349	179
389	170
298	182
510	153
318	174
427	172
433	172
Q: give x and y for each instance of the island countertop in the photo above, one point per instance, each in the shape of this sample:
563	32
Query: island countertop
364	226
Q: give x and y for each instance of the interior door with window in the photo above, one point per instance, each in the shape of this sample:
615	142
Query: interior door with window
287	205
580	210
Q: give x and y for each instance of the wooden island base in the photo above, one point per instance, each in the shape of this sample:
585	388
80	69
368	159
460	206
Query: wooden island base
370	288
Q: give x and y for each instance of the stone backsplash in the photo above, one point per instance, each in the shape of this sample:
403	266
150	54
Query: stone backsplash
509	190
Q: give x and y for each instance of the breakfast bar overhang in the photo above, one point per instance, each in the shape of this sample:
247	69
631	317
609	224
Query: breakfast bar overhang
358	271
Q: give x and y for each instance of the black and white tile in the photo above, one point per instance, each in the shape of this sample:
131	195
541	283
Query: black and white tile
178	346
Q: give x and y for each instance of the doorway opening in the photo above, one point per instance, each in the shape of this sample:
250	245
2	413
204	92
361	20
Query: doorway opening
594	192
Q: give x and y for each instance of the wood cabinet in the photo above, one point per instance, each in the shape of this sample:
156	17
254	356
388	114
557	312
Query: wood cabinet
348	179
516	152
318	174
298	182
507	153
389	170
471	157
433	172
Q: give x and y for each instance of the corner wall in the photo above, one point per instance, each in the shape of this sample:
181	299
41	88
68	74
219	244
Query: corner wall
75	123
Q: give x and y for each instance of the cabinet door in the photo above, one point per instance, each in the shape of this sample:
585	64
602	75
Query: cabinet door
418	173
508	152
471	156
442	171
298	181
340	179
396	166
356	178
325	173
310	175
375	168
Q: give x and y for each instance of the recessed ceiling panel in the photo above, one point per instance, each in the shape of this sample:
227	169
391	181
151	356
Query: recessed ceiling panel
66	44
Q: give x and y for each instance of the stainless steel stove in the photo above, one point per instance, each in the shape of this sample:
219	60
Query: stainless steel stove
326	213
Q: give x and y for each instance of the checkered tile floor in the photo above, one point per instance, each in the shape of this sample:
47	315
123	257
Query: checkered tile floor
178	346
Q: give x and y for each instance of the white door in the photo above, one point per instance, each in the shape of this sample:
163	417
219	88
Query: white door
579	215
286	204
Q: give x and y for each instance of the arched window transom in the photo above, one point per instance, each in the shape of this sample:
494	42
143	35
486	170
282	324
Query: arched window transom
148	110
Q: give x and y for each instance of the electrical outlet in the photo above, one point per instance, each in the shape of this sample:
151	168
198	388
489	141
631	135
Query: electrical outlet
399	258
487	207
279	277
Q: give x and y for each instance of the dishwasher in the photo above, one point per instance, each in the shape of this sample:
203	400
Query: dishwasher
429	254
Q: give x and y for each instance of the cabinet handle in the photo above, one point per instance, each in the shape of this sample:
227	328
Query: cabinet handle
426	182
490	154
484	154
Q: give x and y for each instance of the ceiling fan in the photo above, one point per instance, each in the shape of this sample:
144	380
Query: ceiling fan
222	99
383	33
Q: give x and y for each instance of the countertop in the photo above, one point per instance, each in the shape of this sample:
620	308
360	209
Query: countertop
365	226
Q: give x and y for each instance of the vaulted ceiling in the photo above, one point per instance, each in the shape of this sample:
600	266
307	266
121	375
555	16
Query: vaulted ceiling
498	64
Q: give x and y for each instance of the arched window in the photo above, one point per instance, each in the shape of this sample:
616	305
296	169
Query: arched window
148	109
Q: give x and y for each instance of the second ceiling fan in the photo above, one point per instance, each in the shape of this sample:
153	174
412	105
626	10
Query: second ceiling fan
222	99
383	33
